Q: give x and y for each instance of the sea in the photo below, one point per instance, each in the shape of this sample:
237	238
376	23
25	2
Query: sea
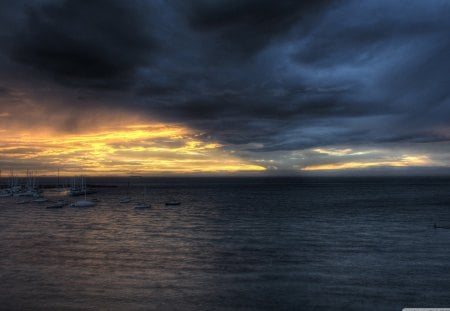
298	243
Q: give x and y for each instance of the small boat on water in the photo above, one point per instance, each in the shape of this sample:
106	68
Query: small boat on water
126	199
80	190
40	200
59	204
83	203
28	193
23	202
172	203
143	204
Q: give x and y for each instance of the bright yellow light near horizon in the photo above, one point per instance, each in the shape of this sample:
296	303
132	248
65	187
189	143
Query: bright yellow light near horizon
340	152
404	161
140	149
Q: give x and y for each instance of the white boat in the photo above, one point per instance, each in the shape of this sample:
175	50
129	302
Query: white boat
40	200
85	202
143	204
127	197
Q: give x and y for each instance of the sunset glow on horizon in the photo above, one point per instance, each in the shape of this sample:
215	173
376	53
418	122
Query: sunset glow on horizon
405	161
136	149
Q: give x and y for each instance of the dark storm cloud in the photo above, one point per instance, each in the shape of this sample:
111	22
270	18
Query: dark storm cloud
265	75
247	26
97	43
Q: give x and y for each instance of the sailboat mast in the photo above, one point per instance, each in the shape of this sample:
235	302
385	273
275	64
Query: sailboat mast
85	194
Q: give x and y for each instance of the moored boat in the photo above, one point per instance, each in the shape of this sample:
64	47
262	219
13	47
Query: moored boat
83	203
171	203
59	204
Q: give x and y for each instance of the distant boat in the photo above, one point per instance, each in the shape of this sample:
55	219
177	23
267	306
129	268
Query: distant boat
23	202
126	198
171	203
74	192
27	193
143	204
80	190
85	202
40	200
5	194
59	204
59	187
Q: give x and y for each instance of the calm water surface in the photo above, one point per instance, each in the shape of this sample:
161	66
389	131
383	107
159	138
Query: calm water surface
243	244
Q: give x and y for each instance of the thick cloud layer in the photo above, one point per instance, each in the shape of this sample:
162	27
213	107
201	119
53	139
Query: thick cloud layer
261	76
88	43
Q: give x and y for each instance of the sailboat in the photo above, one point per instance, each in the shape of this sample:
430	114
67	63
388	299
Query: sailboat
59	187
143	204
78	191
85	202
127	198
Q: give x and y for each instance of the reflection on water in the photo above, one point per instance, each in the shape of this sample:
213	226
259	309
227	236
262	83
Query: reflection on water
305	244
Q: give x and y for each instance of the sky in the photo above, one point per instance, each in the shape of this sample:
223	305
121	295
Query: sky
253	87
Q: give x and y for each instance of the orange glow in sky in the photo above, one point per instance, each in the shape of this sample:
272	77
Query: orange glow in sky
147	149
407	160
